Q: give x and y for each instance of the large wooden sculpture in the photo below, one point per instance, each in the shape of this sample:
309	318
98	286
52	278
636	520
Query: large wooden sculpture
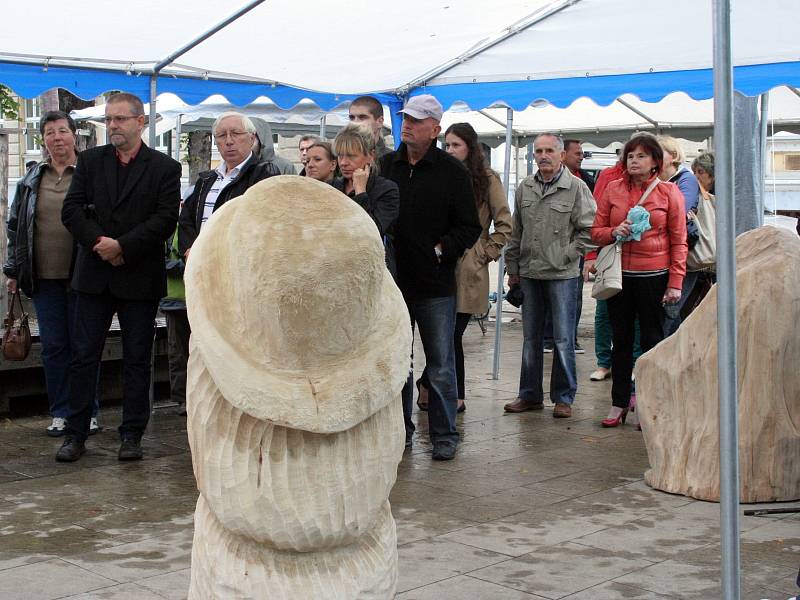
300	348
677	382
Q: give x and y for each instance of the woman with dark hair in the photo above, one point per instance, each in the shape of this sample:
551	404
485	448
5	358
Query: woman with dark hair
40	251
472	269
653	260
321	163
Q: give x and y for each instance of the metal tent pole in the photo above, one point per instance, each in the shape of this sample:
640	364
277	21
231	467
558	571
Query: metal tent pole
726	303
501	263
152	116
323	126
764	155
178	132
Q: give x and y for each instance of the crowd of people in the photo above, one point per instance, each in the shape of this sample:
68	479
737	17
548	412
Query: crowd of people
107	232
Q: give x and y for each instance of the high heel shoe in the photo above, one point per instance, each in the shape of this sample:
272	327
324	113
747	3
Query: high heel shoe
615	421
422	404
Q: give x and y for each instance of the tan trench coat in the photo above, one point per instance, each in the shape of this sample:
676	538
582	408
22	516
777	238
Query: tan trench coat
472	270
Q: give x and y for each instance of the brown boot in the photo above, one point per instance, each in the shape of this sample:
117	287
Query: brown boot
562	411
519	405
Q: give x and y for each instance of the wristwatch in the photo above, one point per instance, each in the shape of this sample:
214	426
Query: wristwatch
438	253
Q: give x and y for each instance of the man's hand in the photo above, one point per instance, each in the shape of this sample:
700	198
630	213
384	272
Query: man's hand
11	286
513	280
438	251
109	249
588	269
360	177
671	296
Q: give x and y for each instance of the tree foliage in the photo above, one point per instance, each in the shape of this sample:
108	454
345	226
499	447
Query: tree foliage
9	108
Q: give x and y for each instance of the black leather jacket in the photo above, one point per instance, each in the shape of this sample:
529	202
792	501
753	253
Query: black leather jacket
191	217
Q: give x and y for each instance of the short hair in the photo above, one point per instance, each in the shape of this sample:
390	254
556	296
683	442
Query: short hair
57	115
134	102
671	145
558	138
706	162
305	138
374	107
569	141
354	138
650	145
325	146
248	125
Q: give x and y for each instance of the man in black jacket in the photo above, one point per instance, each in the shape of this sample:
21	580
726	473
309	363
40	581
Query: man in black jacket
438	221
234	134
121	206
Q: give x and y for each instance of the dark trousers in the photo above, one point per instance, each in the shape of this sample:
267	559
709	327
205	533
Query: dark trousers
548	318
435	318
55	306
178	332
93	314
640	297
689	281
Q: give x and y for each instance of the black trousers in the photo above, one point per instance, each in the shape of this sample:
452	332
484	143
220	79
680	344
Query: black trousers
640	297
93	314
178	333
462	320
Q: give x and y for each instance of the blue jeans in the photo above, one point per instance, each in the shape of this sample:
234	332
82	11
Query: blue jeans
559	297
548	320
54	304
435	318
93	314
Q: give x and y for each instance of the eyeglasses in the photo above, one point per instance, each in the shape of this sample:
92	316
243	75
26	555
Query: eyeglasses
118	120
234	135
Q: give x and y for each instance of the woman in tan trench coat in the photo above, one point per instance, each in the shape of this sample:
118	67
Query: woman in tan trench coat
472	270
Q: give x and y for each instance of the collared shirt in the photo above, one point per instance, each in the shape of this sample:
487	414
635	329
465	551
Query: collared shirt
546	185
224	177
131	159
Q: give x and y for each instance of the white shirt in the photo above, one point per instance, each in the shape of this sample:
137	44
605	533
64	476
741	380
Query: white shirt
224	177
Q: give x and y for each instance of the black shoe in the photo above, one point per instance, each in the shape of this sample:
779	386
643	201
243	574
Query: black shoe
130	449
71	450
578	348
548	347
444	450
409	440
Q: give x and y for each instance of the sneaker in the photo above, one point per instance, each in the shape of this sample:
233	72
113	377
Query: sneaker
600	374
71	450
548	347
444	450
579	349
93	426
57	427
130	449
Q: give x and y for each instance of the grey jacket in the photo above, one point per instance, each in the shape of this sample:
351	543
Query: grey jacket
551	231
264	133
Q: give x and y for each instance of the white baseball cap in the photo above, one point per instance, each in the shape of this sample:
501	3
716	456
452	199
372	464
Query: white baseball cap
423	106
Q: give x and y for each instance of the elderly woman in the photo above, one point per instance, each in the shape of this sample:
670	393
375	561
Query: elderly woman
676	172
472	269
39	254
653	267
703	169
321	163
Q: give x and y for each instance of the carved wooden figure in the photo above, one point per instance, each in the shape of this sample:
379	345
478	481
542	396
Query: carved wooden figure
300	348
677	382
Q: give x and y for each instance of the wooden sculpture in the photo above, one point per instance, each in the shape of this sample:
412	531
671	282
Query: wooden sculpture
300	348
677	382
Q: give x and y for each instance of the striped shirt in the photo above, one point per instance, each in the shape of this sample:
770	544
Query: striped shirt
224	177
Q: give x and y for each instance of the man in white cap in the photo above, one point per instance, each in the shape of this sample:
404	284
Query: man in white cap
438	221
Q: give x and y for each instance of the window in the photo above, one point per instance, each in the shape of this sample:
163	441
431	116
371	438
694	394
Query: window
792	162
33	112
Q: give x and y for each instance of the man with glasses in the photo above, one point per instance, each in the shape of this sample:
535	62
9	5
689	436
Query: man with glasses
234	134
121	206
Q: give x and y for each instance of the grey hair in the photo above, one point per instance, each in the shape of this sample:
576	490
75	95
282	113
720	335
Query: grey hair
559	140
248	125
706	162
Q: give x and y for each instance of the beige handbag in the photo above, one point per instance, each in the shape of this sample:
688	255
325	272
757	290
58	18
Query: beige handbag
608	267
704	253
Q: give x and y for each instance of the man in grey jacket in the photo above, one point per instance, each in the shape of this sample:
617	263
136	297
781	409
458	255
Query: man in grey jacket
553	216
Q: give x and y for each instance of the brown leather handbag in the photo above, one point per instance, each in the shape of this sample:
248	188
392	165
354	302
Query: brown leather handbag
16	344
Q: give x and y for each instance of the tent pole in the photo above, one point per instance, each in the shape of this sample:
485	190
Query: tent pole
501	262
726	303
322	127
152	116
764	157
178	133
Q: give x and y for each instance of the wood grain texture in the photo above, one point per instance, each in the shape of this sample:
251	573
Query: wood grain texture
677	389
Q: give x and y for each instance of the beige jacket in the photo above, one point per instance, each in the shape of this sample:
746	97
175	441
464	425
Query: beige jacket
472	270
551	232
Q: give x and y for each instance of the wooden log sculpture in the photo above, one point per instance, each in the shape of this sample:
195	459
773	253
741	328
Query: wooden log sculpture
300	348
677	382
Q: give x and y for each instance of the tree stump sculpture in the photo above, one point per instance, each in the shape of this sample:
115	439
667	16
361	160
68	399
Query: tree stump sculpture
677	382
300	348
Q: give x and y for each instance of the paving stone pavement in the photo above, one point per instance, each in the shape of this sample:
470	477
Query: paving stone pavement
531	508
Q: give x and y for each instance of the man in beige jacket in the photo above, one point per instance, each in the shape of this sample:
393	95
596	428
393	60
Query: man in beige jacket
553	217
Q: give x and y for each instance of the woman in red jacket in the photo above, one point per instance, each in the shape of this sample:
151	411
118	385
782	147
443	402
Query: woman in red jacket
653	268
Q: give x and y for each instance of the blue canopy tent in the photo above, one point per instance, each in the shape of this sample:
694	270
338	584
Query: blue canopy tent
553	50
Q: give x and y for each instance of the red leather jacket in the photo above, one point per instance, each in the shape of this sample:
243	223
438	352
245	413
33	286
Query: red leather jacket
663	246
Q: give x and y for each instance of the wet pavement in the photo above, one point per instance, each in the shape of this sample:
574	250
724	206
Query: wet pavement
532	507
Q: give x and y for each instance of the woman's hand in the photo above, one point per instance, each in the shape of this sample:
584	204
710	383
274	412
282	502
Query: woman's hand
360	177
623	229
11	285
671	296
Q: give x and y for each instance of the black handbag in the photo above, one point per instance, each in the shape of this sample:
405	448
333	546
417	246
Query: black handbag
514	295
17	342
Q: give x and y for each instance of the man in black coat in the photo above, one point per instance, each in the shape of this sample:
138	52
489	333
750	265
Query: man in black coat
437	222
121	207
